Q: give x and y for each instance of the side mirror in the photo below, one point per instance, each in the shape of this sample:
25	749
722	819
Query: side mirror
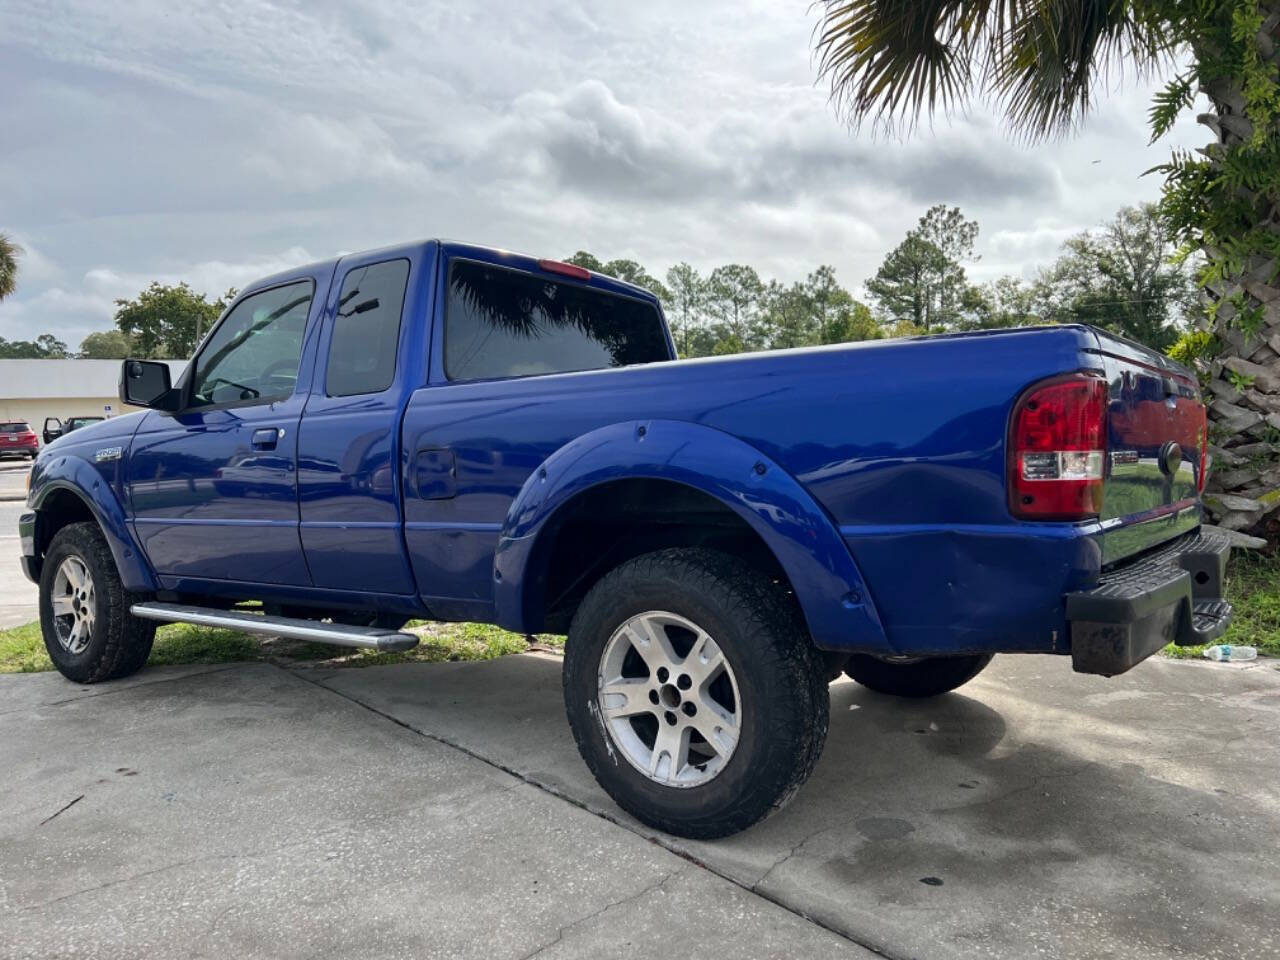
52	429
145	383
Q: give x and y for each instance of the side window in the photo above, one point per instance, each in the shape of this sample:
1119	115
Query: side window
253	354
366	331
501	322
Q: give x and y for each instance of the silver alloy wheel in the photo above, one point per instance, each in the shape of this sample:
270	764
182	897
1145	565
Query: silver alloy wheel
680	723
74	605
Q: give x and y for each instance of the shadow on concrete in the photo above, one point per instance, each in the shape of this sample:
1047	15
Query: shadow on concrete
1037	812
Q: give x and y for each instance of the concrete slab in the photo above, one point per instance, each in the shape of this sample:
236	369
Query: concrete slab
1036	813
18	595
242	811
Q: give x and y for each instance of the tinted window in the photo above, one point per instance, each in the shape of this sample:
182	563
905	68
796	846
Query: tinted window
13	426
362	353
505	323
253	354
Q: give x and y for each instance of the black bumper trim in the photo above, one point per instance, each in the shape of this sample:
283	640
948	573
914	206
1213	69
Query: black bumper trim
1170	596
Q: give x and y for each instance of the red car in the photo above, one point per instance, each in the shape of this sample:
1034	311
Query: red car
18	439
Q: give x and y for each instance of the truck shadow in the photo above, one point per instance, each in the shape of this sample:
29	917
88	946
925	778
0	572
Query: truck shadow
1100	807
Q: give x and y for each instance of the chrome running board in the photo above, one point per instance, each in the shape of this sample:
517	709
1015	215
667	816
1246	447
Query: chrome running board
338	634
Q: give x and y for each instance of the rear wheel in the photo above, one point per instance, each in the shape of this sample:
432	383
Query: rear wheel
694	692
84	609
922	677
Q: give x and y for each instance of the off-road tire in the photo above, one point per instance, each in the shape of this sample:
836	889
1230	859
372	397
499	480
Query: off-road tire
119	643
928	677
784	705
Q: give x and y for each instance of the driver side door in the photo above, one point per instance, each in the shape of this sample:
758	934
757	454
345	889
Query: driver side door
213	487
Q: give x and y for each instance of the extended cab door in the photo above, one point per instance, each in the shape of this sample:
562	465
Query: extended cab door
509	332
213	487
371	348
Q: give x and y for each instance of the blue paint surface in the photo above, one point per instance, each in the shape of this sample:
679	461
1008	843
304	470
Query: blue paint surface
874	473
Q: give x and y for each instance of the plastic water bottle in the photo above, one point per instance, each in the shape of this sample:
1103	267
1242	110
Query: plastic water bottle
1228	651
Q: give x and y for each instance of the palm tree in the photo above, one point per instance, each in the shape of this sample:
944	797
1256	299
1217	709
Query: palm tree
9	253
892	62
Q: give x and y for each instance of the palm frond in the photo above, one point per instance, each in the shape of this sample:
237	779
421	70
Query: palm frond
890	61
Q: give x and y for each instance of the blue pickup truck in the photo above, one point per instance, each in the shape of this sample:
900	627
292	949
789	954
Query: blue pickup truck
458	433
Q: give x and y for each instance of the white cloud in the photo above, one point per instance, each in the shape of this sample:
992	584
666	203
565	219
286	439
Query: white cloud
219	143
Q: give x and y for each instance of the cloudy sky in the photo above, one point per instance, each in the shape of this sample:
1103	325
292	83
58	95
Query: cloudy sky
225	141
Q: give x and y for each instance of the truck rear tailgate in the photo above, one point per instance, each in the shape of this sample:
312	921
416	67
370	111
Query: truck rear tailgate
1156	448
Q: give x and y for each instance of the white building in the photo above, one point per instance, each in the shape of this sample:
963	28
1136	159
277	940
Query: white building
32	390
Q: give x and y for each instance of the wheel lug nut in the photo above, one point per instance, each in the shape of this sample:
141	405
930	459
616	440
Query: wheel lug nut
671	718
688	708
663	674
684	683
653	696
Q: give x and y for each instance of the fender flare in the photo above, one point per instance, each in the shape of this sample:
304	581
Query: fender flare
837	606
79	477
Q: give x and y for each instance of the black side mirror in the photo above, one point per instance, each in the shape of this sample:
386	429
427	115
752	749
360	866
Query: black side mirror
145	383
52	429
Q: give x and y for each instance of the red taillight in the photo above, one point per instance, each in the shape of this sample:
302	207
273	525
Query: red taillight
566	269
1058	449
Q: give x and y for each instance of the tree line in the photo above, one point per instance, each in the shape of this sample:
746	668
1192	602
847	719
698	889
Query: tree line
1124	276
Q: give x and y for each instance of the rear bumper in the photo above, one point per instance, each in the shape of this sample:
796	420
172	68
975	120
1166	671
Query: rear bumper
1173	595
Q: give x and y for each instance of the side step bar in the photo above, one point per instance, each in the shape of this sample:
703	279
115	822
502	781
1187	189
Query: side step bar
340	635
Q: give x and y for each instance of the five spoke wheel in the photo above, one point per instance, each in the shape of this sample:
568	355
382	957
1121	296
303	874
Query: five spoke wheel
669	699
74	605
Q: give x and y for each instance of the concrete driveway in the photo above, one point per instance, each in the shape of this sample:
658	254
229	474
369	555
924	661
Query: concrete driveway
441	810
18	595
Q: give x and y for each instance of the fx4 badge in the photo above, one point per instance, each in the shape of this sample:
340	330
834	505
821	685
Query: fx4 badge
108	453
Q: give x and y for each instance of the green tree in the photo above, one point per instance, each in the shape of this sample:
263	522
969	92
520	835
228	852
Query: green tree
626	270
854	322
684	304
923	278
105	345
827	299
44	347
901	287
1122	277
890	62
786	317
953	236
586	261
167	321
1005	302
733	299
9	254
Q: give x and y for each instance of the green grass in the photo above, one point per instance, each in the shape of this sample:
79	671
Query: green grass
22	648
1253	587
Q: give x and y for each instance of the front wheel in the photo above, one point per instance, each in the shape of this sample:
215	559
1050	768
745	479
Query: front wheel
925	677
84	609
694	692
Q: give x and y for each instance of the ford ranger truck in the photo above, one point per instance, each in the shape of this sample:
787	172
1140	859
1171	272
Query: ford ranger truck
457	433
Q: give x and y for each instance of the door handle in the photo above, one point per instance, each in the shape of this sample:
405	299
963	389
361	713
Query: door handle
265	438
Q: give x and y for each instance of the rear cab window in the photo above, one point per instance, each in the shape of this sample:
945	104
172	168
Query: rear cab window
366	331
502	323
